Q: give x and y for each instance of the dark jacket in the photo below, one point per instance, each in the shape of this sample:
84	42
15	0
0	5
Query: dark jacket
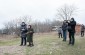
64	27
82	28
30	35
30	30
23	29
71	26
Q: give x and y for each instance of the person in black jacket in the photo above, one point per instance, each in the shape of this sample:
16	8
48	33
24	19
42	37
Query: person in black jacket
71	30
23	30
64	29
82	30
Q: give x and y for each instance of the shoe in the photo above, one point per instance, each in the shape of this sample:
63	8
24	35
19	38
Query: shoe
69	44
28	45
21	45
32	44
64	40
72	44
24	45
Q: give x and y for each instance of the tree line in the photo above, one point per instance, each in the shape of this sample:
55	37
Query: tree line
13	27
63	13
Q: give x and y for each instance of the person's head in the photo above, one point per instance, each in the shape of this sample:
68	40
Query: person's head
60	27
23	23
82	25
72	19
29	26
64	22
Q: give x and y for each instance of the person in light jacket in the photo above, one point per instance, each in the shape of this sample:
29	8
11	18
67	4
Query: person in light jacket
60	32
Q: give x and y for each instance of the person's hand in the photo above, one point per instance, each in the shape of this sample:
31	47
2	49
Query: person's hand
27	33
20	35
23	29
30	31
68	21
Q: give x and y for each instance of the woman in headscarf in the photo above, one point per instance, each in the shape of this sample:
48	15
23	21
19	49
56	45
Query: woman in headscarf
30	35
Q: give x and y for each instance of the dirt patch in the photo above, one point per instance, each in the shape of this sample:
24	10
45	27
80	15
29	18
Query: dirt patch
12	50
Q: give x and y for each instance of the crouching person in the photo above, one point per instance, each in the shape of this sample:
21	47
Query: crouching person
23	30
30	36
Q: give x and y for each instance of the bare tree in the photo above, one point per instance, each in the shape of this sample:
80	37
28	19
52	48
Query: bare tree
66	12
14	25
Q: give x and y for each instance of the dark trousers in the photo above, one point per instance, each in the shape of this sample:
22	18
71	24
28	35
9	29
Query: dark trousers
60	35
31	44
71	38
23	40
82	33
31	40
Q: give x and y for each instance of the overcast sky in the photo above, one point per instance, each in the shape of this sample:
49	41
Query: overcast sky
38	9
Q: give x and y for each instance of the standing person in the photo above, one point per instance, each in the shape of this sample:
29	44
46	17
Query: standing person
82	30
64	29
23	33
60	32
71	30
30	36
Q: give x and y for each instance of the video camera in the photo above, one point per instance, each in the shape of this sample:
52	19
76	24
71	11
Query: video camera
67	21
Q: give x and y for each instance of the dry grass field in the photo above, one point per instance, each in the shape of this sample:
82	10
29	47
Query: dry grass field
45	44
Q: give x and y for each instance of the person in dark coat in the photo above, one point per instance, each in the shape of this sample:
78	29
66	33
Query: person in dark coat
82	30
64	29
23	30
60	32
71	30
30	36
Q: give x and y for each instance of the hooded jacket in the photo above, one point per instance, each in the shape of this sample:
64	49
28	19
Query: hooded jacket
72	24
23	29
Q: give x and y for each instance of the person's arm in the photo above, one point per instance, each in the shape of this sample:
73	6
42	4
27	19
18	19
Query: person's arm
84	27
27	32
21	29
32	31
62	27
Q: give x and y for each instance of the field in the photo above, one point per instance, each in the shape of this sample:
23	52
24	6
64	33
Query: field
45	44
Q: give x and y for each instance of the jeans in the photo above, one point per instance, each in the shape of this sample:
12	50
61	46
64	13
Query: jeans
64	35
71	38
